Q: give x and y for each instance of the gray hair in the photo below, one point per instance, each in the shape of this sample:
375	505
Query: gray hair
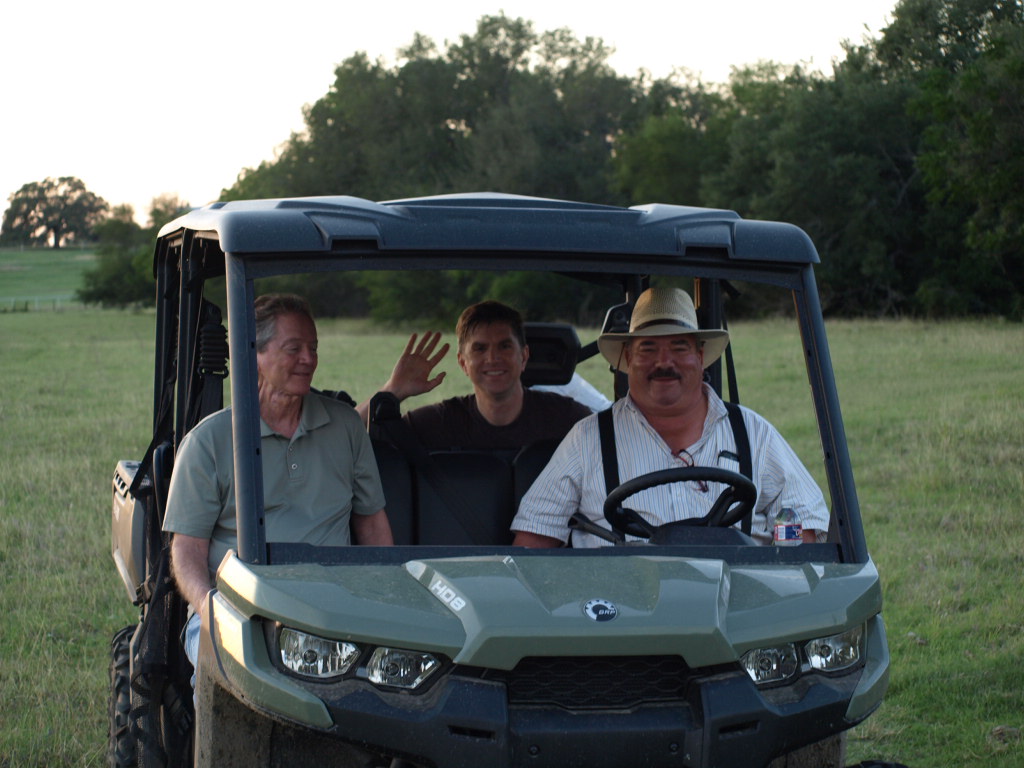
271	306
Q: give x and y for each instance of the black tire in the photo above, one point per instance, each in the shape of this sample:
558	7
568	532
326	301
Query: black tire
120	744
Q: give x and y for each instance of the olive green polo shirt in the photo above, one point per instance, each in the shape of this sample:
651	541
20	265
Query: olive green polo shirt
312	483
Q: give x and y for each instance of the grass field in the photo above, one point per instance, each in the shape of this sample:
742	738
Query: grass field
41	278
934	417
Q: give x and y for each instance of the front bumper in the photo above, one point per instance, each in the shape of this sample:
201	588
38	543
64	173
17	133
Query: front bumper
727	722
467	718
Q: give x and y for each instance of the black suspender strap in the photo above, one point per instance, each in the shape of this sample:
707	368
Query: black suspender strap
739	433
606	428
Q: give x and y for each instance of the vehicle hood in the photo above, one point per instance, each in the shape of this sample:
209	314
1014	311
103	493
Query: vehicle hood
491	611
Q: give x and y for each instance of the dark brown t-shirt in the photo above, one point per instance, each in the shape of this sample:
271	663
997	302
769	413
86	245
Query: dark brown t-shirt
457	423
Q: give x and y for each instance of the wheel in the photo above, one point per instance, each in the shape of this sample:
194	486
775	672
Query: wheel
120	744
731	505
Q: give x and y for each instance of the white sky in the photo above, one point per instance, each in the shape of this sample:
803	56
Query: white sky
101	90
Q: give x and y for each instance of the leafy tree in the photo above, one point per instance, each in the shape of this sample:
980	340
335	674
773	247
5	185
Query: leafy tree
503	108
123	275
677	145
547	112
331	294
941	36
52	211
840	163
989	109
971	162
553	298
378	133
903	165
398	297
165	208
755	110
120	278
940	102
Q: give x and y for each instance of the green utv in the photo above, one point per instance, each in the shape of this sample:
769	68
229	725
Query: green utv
453	648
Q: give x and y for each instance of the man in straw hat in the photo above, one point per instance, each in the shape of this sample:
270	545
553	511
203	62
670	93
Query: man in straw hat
670	418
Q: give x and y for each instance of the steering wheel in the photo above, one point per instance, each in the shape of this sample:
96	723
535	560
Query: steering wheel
732	504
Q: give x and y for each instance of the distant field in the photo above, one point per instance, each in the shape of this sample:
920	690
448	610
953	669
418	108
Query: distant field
41	278
934	416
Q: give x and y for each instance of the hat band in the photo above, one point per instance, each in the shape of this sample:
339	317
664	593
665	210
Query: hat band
666	321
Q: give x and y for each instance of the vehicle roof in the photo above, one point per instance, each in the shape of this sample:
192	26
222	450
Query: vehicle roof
488	221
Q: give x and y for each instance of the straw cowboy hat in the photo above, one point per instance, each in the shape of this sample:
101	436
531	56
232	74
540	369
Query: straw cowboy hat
663	311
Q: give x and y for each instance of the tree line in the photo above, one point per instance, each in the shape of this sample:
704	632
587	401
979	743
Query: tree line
903	165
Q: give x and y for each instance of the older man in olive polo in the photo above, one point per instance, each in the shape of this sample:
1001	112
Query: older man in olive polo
320	478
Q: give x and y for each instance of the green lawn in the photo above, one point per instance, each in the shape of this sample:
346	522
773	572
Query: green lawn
41	278
934	417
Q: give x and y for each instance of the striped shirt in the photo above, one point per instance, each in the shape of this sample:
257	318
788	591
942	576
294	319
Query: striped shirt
574	478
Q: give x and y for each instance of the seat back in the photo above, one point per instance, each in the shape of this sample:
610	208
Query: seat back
487	485
527	465
483	484
397	481
554	351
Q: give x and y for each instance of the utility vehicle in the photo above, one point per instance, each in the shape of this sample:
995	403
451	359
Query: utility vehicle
453	648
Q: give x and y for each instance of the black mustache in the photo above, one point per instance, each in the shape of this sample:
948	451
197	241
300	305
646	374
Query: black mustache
664	373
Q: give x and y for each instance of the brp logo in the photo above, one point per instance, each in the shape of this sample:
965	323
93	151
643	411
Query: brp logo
600	610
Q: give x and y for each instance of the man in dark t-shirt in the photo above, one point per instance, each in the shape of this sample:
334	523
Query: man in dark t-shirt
501	412
458	423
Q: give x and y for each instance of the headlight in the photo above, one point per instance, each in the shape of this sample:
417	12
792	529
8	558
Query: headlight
314	656
399	668
836	652
778	663
771	665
